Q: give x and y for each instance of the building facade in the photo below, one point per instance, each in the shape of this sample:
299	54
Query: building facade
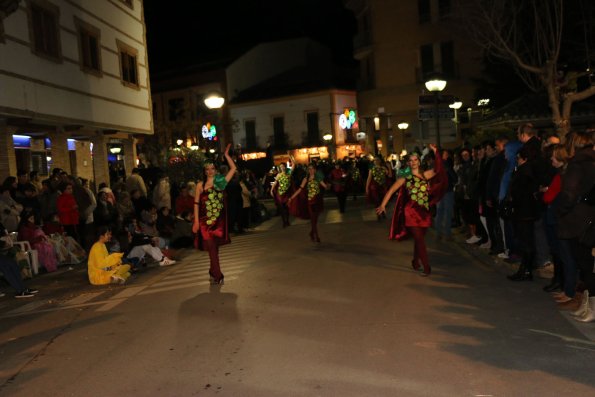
400	45
282	95
75	86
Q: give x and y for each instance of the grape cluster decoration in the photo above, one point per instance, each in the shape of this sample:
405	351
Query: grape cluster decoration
283	184
214	206
313	189
379	175
418	190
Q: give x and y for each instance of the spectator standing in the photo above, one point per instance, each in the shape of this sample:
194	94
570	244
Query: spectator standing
522	192
162	193
136	182
575	214
68	212
445	207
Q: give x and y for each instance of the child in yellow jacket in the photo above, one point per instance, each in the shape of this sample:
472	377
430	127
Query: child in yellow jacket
103	267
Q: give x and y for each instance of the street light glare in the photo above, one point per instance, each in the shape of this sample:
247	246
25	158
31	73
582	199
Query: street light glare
456	105
436	85
403	125
214	101
327	137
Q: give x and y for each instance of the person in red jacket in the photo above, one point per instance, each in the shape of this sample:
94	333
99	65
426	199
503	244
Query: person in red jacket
68	212
184	202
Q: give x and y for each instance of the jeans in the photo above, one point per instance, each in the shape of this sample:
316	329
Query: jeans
444	211
542	254
12	273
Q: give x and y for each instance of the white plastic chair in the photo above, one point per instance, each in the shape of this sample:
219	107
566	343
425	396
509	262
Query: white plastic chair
33	256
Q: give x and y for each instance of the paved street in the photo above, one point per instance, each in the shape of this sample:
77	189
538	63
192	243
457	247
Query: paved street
346	317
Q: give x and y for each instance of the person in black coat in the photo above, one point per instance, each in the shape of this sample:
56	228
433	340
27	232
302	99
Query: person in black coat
574	214
523	188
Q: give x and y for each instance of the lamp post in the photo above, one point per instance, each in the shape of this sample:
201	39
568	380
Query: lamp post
327	140
402	126
215	101
436	85
456	105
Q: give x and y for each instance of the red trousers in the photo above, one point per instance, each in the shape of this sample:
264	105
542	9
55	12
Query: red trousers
420	254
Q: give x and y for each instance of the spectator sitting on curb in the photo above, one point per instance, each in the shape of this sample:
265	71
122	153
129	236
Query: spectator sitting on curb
103	267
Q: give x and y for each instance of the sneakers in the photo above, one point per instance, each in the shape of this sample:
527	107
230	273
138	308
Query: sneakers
118	279
473	240
166	262
503	255
32	290
24	294
486	246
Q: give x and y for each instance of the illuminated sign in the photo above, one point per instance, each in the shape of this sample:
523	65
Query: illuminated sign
21	141
253	156
348	119
209	132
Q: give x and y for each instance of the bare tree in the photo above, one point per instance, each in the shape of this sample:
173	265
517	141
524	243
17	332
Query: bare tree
529	35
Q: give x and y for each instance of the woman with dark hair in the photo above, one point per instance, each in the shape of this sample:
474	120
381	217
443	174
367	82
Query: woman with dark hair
29	231
576	214
419	190
309	203
210	217
281	191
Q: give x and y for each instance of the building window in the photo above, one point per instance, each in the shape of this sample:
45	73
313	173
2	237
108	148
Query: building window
250	128
444	8
176	109
89	47
128	65
424	12
44	30
448	60
279	132
313	131
427	60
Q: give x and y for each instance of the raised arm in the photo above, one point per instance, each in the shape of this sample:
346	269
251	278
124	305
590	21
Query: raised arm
429	174
392	190
232	165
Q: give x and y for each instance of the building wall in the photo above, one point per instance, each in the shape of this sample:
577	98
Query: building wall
61	91
392	46
293	110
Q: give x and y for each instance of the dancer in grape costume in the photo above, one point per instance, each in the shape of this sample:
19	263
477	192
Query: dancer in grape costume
210	214
418	191
281	191
376	184
307	201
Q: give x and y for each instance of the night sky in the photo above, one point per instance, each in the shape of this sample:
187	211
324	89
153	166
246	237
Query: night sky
195	31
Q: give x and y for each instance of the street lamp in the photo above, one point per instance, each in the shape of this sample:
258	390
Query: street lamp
403	125
179	142
456	105
214	101
436	85
327	139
